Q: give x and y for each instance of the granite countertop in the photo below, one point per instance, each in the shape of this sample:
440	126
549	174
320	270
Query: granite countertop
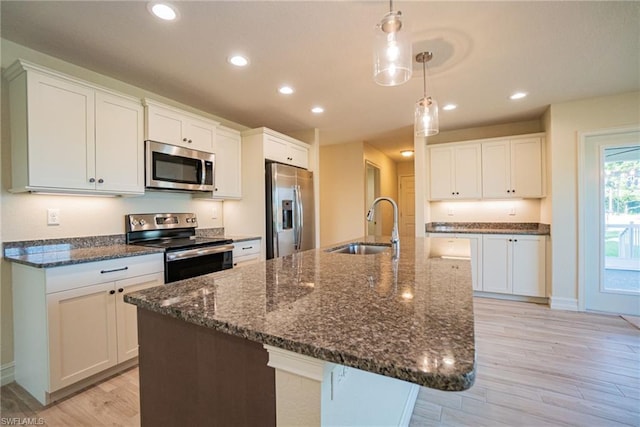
62	254
532	228
410	318
49	253
243	238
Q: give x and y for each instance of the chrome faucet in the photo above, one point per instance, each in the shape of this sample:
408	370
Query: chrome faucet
395	238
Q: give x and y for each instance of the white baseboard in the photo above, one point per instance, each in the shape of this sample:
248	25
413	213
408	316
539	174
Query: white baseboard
560	303
7	373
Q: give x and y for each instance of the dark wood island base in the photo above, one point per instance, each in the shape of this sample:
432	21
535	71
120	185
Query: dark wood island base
191	375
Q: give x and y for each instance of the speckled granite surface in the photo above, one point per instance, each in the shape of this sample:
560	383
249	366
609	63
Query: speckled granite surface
64	254
77	250
210	232
410	318
533	228
243	238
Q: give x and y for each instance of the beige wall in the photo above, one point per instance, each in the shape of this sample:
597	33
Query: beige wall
405	168
342	210
566	122
342	191
487	211
388	185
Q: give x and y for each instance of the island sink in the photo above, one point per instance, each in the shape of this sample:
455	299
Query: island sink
360	249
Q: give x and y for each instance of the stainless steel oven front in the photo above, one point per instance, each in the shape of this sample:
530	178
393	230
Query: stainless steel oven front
185	263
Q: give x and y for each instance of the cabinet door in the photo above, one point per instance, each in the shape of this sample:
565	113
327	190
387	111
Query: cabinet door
275	149
529	266
298	156
496	264
441	167
496	170
119	145
82	333
199	135
228	149
526	168
468	172
126	314
165	125
61	133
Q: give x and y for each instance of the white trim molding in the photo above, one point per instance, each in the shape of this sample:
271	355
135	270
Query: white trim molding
295	363
7	373
562	303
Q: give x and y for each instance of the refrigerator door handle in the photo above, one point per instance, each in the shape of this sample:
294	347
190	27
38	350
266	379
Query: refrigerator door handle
300	219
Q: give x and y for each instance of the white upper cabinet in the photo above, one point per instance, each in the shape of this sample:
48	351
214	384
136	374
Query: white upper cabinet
119	129
228	167
174	126
68	136
283	149
455	172
512	168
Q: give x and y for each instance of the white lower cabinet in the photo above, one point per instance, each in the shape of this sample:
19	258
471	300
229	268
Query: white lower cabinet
447	245
76	323
246	252
514	264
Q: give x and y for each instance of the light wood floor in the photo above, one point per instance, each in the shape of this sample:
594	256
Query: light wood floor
536	367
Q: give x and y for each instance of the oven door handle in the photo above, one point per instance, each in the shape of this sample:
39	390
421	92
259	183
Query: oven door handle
192	253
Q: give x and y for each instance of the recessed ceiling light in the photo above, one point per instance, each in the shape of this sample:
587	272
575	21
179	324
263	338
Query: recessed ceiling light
317	110
449	107
238	60
163	11
285	90
518	95
406	153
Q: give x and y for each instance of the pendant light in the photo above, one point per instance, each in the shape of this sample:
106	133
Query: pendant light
426	115
392	56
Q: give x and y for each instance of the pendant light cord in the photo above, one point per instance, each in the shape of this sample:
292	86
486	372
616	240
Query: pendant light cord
390	6
424	77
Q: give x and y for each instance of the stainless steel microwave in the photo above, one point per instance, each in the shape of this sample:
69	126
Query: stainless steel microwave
169	167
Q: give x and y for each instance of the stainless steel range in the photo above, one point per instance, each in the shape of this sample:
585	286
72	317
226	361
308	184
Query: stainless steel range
185	254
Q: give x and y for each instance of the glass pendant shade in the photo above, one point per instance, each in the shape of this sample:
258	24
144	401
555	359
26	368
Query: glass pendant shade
426	117
392	55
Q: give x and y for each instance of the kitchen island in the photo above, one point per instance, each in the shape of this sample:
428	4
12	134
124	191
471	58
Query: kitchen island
277	340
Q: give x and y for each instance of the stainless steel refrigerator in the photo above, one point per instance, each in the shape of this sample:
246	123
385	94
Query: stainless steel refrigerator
290	210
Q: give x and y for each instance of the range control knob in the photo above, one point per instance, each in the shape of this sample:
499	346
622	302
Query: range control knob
142	222
134	222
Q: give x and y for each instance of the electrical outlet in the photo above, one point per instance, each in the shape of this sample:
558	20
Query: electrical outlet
53	216
450	212
512	211
215	211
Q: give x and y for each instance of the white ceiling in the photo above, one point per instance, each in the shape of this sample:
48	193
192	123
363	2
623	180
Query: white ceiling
483	51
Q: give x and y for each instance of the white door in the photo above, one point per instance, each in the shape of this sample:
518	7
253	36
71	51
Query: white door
82	333
610	222
119	144
126	314
528	256
496	263
441	168
61	134
228	150
407	206
526	168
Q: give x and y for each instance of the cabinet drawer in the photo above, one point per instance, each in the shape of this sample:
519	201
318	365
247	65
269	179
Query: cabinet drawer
78	275
250	247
